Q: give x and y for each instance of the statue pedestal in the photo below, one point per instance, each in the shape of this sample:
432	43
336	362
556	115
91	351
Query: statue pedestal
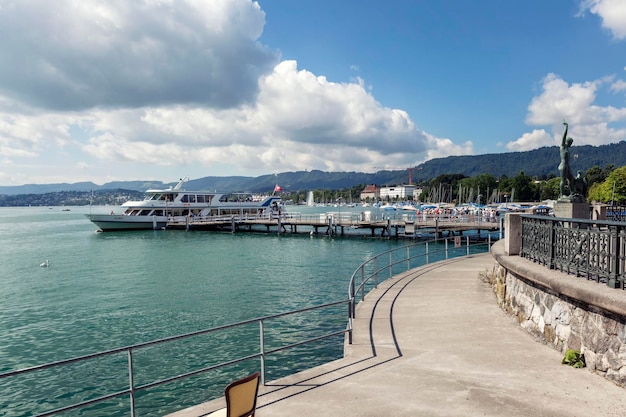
568	209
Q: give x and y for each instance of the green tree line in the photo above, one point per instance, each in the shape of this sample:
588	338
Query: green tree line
604	185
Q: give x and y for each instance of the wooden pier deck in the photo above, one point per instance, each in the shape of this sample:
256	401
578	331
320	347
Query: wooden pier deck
339	224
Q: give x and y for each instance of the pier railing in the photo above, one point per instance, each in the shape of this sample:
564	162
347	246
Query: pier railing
593	249
207	343
394	261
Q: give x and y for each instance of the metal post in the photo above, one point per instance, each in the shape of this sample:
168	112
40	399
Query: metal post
349	324
361	285
352	299
551	243
376	270
262	346
408	258
613	282
131	383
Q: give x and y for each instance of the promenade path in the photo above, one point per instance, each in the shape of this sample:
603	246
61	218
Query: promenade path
433	342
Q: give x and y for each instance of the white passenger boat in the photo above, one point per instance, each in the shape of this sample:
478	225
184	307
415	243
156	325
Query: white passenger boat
161	206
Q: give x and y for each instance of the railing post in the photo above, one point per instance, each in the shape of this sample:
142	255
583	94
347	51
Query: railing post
352	300
376	269
262	352
467	245
426	253
408	258
614	254
131	383
390	264
349	326
446	247
361	285
551	243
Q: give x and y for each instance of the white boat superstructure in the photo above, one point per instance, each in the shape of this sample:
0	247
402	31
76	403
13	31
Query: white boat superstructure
161	206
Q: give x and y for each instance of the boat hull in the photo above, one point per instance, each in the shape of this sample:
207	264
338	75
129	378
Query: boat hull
113	222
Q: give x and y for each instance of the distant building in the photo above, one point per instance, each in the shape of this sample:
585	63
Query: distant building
398	192
371	193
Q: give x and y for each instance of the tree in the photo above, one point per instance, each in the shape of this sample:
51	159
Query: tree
550	189
524	187
613	189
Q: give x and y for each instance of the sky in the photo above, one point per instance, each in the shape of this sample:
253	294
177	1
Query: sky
116	90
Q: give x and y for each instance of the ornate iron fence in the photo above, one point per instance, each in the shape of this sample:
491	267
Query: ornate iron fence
595	250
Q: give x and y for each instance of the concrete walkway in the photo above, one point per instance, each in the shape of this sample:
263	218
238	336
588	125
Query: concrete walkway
433	342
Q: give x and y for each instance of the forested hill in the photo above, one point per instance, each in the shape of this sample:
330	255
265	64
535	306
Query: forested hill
541	162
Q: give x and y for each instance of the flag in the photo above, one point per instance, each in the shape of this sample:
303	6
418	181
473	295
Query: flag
278	188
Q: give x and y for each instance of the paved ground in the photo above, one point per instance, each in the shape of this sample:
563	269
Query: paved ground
433	342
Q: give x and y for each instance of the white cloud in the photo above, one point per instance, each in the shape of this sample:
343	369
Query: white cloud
618	86
67	54
575	103
299	121
612	13
559	100
151	83
536	139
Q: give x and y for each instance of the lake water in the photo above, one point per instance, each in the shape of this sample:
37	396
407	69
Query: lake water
108	290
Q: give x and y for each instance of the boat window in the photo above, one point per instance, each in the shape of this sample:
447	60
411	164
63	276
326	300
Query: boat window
192	198
185	198
200	198
158	212
144	212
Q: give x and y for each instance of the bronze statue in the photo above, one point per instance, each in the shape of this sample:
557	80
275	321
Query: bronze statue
577	186
566	172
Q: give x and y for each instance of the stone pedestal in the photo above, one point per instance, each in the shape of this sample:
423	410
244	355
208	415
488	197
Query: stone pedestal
571	210
513	235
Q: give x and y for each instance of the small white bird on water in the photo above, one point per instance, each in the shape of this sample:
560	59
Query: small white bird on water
45	264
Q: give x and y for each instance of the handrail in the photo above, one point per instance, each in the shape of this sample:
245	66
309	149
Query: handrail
133	389
376	269
408	257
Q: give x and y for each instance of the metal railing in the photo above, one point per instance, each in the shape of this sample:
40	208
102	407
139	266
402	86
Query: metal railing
394	261
133	388
369	273
593	249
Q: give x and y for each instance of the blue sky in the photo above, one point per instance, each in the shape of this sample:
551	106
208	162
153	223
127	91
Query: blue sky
156	89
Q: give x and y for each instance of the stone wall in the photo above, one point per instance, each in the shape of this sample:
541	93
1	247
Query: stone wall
564	311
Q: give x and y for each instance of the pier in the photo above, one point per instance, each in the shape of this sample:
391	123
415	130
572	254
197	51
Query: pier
342	224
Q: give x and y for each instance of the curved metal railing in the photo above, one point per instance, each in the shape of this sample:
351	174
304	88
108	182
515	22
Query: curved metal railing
394	261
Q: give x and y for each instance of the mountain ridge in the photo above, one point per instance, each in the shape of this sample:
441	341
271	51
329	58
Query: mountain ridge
539	163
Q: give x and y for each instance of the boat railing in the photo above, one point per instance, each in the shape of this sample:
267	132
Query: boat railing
366	277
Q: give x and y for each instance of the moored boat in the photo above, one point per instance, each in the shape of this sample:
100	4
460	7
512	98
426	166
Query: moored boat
161	206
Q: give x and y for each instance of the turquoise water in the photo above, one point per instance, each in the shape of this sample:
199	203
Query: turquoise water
109	290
